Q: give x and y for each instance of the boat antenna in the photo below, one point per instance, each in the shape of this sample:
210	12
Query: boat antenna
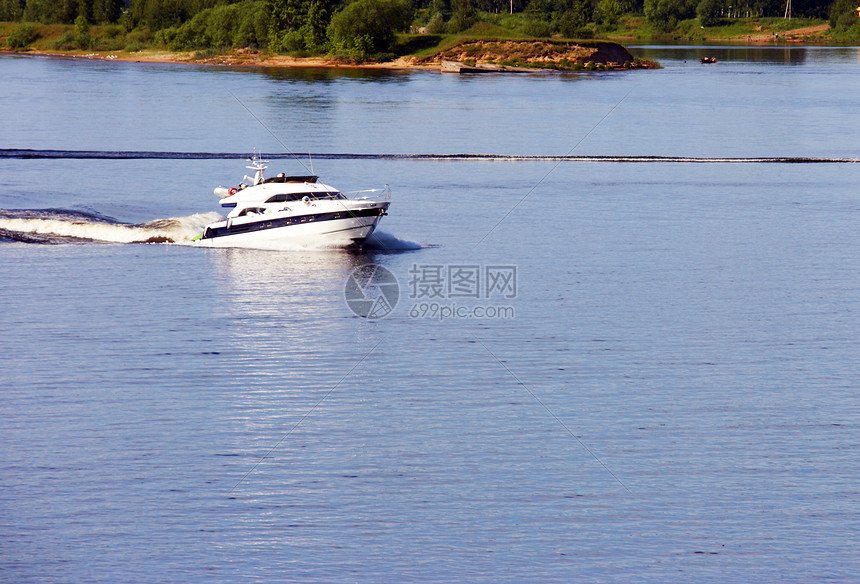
311	160
291	153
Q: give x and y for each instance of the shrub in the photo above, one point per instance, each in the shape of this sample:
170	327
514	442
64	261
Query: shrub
65	42
113	31
108	44
83	38
357	49
436	25
137	41
537	28
24	34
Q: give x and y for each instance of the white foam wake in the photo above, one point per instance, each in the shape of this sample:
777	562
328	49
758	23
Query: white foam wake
172	230
56	225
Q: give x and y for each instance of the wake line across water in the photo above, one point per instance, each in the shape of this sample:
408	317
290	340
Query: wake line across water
19	153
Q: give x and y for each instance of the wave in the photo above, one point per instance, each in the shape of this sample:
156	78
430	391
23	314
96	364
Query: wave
64	226
382	242
134	154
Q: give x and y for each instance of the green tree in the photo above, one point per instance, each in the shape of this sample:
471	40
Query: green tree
221	27
369	26
464	17
105	11
437	6
608	12
315	27
665	14
286	15
51	11
253	28
83	38
541	10
573	21
710	12
10	10
842	14
296	25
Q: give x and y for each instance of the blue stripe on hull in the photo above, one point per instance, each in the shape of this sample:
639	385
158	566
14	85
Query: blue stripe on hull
266	224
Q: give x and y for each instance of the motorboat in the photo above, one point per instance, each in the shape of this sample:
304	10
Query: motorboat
288	211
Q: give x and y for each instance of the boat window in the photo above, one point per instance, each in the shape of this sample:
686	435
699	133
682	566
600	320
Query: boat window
287	197
326	196
250	211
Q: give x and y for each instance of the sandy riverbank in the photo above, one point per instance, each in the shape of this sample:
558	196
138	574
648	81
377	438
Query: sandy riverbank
235	58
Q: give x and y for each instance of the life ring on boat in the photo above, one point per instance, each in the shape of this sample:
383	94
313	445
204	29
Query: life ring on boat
232	192
306	200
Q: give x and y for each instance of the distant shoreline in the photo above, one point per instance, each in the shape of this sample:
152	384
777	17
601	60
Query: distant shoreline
804	36
505	55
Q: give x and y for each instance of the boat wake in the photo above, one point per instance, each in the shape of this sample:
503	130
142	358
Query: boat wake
63	226
55	226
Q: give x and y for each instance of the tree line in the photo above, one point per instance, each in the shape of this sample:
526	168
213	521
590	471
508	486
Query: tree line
361	29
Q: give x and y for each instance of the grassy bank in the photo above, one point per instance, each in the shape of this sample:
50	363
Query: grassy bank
742	30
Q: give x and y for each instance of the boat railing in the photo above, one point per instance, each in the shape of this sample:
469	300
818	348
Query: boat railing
376	195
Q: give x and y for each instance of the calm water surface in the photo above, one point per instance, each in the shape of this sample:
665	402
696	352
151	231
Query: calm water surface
673	399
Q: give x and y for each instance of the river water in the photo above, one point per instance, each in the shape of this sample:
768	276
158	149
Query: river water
596	371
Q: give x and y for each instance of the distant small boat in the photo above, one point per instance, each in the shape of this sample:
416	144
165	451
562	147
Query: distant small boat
708	60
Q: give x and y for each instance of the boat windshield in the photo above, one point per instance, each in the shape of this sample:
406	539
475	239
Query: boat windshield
328	196
284	197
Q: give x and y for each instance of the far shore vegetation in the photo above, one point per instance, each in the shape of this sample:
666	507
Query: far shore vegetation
379	30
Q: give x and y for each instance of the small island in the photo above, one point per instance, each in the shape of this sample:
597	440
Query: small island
527	55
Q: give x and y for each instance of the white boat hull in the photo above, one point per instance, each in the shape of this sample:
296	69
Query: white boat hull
329	233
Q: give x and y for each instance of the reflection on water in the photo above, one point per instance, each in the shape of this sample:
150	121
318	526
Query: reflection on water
288	334
771	55
315	76
296	288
